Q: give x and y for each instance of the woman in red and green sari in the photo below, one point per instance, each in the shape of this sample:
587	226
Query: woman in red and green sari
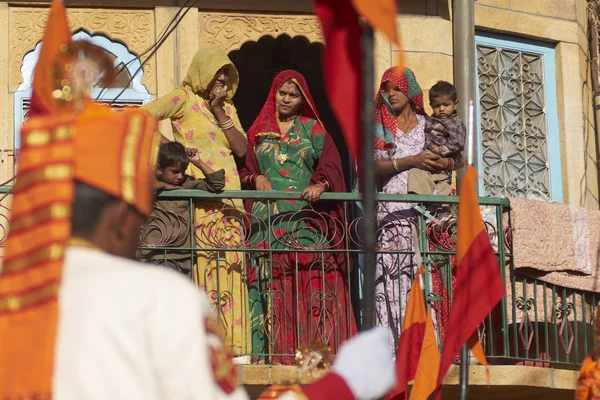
295	297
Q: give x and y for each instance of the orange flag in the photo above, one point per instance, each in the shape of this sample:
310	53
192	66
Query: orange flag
479	284
56	35
418	357
342	68
381	15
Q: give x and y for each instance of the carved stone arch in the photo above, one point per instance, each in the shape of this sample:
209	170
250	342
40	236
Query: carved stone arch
134	28
124	60
231	31
128	89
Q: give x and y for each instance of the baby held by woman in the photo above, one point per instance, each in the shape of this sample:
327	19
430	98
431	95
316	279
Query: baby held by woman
445	136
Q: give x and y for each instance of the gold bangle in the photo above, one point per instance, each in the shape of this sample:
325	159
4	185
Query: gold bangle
395	165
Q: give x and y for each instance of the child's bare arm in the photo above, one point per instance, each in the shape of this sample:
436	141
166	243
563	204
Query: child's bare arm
194	157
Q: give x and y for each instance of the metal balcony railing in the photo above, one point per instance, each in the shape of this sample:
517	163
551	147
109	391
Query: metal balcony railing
281	280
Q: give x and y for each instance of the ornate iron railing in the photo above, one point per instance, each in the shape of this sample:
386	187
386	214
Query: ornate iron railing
537	323
282	281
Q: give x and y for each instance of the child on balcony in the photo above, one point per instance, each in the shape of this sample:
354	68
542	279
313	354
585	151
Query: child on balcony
169	224
445	136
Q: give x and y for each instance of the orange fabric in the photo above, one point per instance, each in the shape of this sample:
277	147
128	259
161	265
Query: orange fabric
470	227
276	391
28	294
588	383
479	284
112	151
57	33
429	363
381	15
116	153
418	356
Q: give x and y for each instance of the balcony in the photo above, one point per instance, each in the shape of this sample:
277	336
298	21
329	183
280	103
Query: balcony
543	328
535	340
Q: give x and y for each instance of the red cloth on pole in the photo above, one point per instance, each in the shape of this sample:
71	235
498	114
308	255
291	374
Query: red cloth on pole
479	284
342	66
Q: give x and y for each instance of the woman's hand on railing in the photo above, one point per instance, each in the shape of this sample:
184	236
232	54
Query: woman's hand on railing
313	192
263	184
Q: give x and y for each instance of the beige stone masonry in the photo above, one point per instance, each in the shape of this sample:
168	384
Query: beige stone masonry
526	25
231	30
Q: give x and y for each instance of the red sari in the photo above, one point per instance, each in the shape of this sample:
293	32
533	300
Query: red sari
295	297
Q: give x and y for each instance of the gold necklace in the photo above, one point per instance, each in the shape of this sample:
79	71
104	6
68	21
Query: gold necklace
286	119
283	157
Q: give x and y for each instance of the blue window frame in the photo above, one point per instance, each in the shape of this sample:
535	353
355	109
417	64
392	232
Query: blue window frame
519	144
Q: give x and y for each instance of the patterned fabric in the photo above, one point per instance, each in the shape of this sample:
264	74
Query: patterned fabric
217	223
448	134
386	125
58	148
266	121
394	272
289	301
588	383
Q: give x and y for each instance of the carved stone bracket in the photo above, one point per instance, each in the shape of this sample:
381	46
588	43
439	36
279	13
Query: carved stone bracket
135	28
231	31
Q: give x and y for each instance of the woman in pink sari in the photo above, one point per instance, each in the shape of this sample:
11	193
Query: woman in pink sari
295	297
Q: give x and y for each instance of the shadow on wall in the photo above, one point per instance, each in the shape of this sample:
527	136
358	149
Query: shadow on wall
259	62
429	8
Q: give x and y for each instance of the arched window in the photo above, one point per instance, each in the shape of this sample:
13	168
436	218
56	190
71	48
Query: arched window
135	93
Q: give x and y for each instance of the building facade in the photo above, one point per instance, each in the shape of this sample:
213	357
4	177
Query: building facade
536	121
536	125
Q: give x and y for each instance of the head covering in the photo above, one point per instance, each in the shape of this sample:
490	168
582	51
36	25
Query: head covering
205	65
58	33
111	151
386	124
266	122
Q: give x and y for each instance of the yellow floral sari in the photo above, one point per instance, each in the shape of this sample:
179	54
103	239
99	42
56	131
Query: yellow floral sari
218	224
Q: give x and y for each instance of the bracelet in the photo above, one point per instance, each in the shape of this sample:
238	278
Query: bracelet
450	167
253	179
250	180
322	185
395	165
325	184
227	124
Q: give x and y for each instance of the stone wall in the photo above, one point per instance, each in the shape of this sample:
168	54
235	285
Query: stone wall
427	43
426	34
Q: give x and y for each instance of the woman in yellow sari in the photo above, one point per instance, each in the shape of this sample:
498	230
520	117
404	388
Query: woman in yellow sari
204	117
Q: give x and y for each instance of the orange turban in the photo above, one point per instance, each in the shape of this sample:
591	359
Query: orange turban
112	151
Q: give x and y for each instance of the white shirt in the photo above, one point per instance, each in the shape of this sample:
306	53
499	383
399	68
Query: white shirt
130	331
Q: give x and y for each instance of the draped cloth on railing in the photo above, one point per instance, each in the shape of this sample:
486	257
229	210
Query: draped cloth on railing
556	243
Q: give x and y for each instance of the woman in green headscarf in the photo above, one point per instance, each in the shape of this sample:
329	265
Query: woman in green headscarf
204	117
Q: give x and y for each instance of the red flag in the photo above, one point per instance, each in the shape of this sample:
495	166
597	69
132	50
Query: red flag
57	34
342	65
417	357
341	58
479	284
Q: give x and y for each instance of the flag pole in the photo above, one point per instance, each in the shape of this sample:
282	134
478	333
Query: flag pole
367	176
464	353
